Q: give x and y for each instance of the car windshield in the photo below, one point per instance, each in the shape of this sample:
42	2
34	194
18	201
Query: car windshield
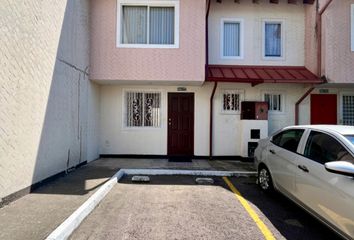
350	138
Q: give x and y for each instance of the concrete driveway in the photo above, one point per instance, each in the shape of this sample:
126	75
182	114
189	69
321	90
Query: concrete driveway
174	207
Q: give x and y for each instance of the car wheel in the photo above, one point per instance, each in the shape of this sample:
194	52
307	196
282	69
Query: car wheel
265	180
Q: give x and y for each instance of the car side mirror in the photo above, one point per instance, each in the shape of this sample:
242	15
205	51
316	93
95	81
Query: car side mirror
340	167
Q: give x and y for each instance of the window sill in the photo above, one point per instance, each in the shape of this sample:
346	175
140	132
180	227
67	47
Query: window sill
273	58
163	46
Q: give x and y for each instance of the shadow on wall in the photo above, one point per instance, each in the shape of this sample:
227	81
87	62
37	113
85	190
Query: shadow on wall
64	137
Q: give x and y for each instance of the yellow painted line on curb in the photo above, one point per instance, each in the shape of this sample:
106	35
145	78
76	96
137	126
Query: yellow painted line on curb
264	229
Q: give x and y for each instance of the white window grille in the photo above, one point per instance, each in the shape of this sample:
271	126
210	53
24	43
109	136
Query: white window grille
275	103
348	109
143	109
231	101
272	39
231	38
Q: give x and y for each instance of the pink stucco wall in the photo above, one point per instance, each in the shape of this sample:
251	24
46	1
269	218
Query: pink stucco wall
337	57
186	63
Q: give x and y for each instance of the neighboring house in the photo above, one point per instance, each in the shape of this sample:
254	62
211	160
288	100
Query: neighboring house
84	78
160	82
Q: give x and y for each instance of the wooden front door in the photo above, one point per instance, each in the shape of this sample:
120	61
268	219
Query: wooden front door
323	109
180	124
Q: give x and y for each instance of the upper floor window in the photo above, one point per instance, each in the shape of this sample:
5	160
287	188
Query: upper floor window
142	109
352	26
231	44
275	101
148	24
273	39
231	101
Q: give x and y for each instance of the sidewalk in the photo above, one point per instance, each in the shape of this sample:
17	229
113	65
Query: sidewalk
36	215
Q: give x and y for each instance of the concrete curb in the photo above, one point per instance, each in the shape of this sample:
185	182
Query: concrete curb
188	172
74	220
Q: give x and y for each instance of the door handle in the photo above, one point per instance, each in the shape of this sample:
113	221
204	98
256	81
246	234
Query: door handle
272	151
169	122
303	168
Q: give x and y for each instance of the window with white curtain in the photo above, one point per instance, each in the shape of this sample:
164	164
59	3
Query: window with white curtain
272	39
231	38
275	102
150	24
142	109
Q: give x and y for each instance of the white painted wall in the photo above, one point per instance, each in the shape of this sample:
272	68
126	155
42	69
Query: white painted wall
252	15
117	139
305	106
228	127
43	89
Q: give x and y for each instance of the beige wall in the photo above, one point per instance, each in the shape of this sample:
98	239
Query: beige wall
43	90
337	57
253	15
185	63
228	138
117	139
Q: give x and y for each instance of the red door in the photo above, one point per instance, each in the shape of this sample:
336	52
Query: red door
323	109
180	124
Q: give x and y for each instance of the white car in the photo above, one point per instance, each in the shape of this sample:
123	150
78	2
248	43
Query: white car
313	166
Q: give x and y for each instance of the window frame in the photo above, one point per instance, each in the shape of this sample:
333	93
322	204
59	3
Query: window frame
305	145
282	41
299	145
282	99
241	94
125	110
341	95
241	40
352	27
148	4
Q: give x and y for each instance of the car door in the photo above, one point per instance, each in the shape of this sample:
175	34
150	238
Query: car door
282	159
329	195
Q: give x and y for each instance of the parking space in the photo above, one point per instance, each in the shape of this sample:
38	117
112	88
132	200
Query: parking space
175	207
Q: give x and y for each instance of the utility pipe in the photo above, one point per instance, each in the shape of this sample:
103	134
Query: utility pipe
207	38
298	103
319	34
211	121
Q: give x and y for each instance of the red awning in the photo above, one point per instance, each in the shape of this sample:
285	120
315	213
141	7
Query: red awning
261	74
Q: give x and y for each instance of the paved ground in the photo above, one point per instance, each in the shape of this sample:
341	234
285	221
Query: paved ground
176	208
36	215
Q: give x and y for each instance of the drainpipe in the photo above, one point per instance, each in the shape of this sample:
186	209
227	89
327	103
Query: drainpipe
211	121
319	34
206	77
207	39
298	103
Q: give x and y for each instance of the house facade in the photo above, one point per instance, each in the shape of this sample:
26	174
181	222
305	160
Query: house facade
200	78
176	72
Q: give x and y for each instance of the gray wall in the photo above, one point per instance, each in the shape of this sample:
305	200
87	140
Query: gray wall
44	89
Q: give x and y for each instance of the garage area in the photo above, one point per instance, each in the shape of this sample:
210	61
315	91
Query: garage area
177	207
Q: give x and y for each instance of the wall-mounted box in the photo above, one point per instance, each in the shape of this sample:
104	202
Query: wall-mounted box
254	110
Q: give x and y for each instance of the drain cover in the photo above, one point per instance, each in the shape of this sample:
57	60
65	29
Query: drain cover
204	181
140	179
294	222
